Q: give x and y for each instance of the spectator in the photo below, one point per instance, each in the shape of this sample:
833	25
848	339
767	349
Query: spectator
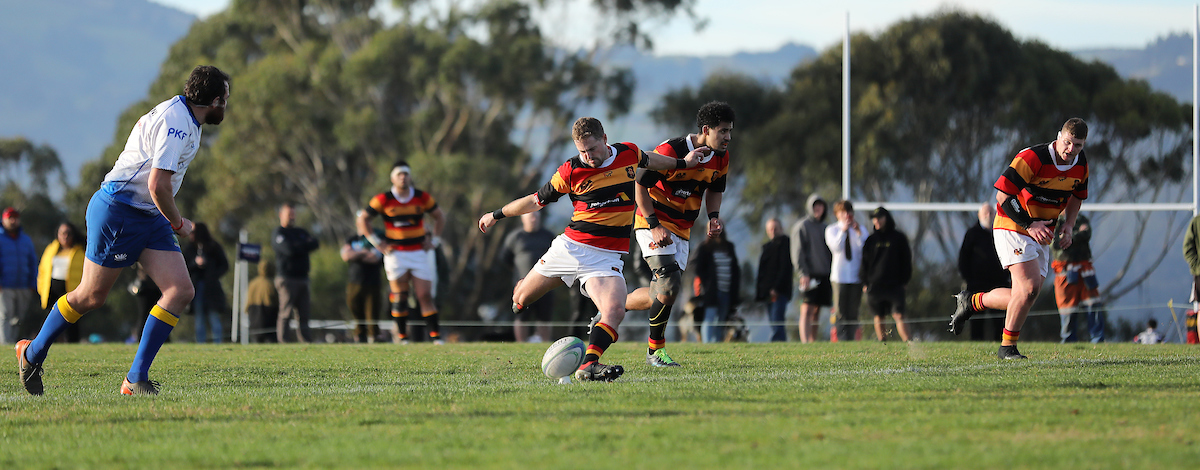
775	278
364	281
146	293
1075	286
60	271
812	259
262	304
522	248
845	240
886	270
981	271
206	263
18	275
717	267
1150	336
1191	254
292	245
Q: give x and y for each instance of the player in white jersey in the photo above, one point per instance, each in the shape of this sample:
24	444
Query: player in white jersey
133	217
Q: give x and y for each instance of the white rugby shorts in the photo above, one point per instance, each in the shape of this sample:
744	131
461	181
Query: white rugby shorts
1013	248
570	260
679	248
396	263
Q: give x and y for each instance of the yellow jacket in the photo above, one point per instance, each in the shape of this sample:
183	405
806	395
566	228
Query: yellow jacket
74	273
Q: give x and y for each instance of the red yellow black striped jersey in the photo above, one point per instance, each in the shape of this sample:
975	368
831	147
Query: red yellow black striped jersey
602	197
1042	188
404	222
677	194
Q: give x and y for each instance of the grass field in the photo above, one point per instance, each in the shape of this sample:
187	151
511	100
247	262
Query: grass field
846	405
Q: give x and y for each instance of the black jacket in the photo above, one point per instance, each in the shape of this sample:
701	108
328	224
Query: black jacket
775	269
706	270
292	246
977	261
215	266
887	258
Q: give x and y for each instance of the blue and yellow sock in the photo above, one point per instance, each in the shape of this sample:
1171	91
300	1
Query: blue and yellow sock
158	329
61	316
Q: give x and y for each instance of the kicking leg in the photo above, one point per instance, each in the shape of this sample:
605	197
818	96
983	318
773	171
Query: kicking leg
93	290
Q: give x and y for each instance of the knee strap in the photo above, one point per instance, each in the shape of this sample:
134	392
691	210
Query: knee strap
667	277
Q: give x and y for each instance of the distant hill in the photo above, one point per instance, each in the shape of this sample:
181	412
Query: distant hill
72	66
1165	63
655	76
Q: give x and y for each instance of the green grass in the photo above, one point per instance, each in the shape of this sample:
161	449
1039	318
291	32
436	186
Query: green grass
847	405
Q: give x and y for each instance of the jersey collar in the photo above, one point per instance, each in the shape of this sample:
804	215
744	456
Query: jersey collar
704	159
406	197
183	99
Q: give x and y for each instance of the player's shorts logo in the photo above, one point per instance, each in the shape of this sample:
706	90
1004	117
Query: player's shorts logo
120	257
1019	251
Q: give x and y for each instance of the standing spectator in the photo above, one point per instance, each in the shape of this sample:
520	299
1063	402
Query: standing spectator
292	245
206	264
775	278
262	304
719	273
1075	285
886	270
406	245
1150	336
522	248
980	269
364	280
61	270
18	275
845	240
1191	254
812	259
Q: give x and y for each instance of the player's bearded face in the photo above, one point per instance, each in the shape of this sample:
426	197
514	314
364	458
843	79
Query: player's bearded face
215	115
216	111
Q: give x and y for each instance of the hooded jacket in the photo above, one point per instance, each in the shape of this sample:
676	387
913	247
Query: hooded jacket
887	258
810	256
18	261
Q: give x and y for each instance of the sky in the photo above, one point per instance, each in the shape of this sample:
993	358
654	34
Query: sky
764	25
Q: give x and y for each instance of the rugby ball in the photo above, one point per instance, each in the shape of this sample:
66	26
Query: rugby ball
563	357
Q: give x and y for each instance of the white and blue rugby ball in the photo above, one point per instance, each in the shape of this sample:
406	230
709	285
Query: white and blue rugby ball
563	357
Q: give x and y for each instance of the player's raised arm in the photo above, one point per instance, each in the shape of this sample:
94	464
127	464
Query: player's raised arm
515	208
658	161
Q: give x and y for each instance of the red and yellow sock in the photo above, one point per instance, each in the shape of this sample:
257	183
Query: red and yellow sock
1009	337
601	338
431	324
977	302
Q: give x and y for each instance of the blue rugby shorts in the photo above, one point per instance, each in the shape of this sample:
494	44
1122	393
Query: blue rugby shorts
117	233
